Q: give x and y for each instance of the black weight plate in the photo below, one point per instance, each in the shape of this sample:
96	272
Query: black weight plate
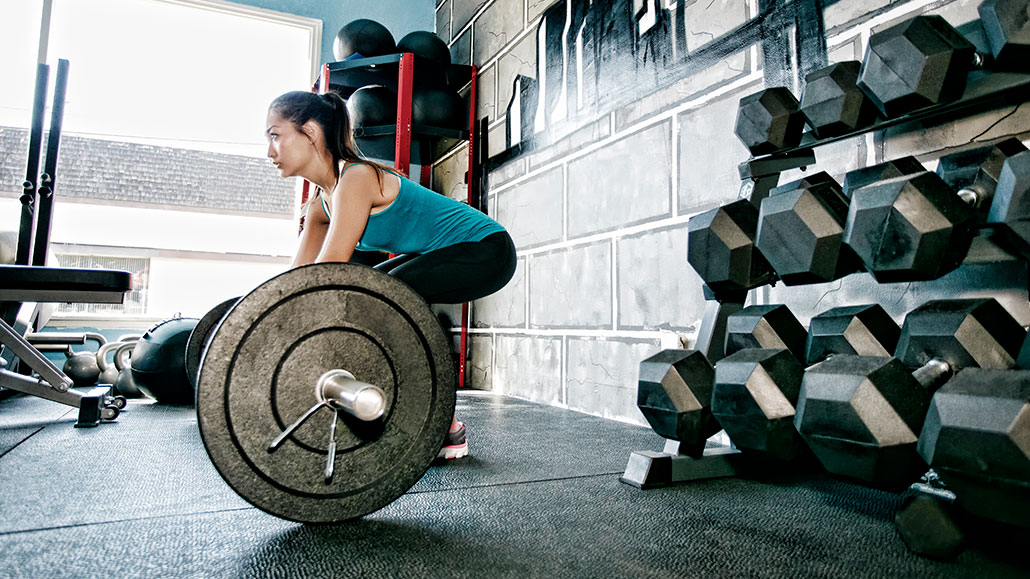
199	337
258	377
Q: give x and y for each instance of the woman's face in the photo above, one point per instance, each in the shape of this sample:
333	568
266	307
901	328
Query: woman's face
290	149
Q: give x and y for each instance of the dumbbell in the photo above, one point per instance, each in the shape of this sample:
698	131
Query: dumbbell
925	61
862	415
1007	28
769	120
674	388
833	104
801	224
971	439
975	440
674	393
800	231
757	384
1009	215
975	174
918	226
721	248
920	62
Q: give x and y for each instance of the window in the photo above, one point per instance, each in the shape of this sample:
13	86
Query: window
183	73
20	46
163	147
135	300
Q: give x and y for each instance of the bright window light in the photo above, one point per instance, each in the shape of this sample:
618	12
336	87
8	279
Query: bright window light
182	73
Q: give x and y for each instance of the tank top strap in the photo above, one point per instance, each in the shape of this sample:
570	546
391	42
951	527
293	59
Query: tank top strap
325	207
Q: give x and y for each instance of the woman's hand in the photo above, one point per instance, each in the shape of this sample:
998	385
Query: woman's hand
312	236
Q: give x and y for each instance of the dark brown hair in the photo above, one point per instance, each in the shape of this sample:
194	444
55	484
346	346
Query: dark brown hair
329	110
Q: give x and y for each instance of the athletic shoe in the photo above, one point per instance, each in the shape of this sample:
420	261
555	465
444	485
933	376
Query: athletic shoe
456	444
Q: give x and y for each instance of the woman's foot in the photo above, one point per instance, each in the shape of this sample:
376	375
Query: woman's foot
456	444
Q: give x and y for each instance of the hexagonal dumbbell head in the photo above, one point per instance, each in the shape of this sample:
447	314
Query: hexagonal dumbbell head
1023	359
674	393
1007	25
861	417
721	248
880	172
769	120
800	233
755	393
771	326
832	102
820	179
975	173
1009	213
977	438
920	62
864	330
965	333
909	228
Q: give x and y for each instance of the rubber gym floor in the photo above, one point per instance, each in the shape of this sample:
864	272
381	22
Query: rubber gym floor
538	497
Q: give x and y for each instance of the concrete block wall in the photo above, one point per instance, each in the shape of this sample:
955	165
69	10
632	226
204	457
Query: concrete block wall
635	136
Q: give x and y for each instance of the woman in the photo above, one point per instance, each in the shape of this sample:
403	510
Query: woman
448	252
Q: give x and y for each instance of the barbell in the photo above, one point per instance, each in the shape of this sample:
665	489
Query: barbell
325	393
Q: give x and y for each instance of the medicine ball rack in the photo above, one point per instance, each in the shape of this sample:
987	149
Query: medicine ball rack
397	72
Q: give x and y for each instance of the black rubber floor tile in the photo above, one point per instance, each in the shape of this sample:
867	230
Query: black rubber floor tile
588	527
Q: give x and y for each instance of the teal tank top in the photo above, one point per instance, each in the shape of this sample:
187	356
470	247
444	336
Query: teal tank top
420	220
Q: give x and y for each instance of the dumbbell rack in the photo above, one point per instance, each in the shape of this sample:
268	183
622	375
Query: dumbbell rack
397	71
984	91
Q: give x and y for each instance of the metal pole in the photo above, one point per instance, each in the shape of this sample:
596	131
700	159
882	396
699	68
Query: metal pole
47	180
27	228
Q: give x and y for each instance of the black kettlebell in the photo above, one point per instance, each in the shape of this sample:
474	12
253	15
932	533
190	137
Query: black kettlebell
124	383
82	367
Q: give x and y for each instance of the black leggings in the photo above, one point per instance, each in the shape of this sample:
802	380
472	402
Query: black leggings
459	273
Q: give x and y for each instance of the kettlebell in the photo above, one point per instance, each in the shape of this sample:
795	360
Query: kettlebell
108	372
124	383
82	367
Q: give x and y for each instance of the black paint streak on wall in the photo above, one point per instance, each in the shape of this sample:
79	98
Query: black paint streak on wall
619	65
776	51
811	37
554	27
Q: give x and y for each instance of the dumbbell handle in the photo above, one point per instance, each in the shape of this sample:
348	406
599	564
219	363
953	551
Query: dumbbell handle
972	196
934	373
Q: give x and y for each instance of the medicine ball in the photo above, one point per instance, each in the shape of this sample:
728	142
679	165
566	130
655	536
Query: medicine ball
426	45
159	362
438	108
363	38
372	106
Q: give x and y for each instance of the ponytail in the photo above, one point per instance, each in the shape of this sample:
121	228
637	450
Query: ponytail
329	110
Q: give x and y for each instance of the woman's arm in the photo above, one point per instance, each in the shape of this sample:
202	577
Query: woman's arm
351	205
312	236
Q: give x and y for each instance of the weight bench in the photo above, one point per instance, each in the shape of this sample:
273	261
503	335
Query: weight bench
30	283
